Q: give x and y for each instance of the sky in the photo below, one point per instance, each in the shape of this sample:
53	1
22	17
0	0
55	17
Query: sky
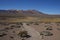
45	6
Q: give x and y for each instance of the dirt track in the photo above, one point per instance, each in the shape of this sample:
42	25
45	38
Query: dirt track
35	35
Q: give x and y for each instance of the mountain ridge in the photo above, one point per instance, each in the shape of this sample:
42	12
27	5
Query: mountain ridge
25	13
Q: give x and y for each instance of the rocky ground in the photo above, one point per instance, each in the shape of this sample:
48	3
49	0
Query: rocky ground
30	31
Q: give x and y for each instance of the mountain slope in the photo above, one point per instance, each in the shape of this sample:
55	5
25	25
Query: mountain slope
26	15
20	13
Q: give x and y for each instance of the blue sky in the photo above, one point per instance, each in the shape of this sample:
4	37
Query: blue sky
45	6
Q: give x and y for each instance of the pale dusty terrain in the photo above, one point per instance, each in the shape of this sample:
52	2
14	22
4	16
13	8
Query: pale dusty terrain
31	31
34	30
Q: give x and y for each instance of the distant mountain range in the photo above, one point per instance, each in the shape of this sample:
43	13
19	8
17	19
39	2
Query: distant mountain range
24	13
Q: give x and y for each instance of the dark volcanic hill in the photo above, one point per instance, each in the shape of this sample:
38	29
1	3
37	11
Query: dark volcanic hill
24	13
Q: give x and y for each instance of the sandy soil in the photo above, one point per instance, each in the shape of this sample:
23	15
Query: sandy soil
32	29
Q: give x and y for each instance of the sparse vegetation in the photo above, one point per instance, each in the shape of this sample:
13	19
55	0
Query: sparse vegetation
24	34
49	28
31	22
21	23
11	37
45	26
18	26
11	28
7	28
28	24
46	33
3	34
12	25
36	23
13	31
